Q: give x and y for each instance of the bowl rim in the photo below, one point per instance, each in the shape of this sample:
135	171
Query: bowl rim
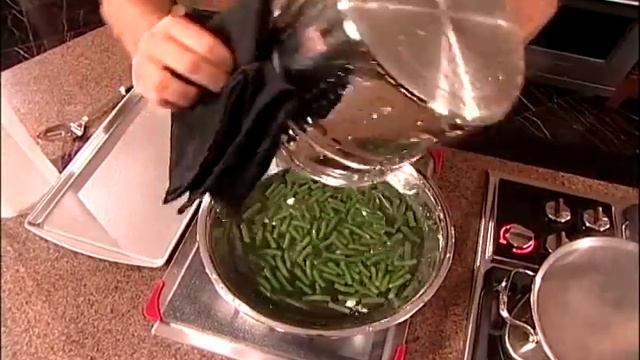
203	234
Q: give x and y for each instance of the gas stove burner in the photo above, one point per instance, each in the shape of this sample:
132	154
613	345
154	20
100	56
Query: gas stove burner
523	223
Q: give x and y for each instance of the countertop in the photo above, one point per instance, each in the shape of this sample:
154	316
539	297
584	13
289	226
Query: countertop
61	305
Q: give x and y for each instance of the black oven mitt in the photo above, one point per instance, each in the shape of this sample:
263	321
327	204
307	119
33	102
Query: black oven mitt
225	143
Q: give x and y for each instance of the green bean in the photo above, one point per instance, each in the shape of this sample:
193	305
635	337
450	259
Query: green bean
259	236
407	251
269	259
363	269
348	298
363	290
402	209
411	218
405	262
307	268
316	298
281	215
409	234
382	270
334	256
370	286
333	278
252	211
303	255
332	224
287	240
283	281
296	235
281	266
336	204
343	288
265	291
339	308
274	185
303	287
402	280
327	269
334	267
372	300
392	293
396	237
271	278
264	282
270	252
245	233
398	222
400	273
377	258
299	224
357	230
287	260
271	241
323	230
301	245
357	247
294	302
346	272
318	288
318	278
327	242
384	283
374	273
315	207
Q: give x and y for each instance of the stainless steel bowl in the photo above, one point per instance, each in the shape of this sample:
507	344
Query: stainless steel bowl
430	274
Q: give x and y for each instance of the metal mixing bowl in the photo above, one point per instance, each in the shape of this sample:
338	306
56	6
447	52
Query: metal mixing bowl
225	271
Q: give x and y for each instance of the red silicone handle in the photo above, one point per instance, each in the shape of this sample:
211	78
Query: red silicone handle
401	352
151	308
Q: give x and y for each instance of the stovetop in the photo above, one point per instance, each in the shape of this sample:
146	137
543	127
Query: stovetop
523	222
192	312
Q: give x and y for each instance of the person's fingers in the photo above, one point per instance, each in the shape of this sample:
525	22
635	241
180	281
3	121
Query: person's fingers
199	40
159	86
180	59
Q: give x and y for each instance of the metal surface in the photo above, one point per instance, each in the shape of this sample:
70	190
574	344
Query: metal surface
630	223
195	314
519	236
444	68
558	211
107	203
408	182
518	341
585	300
485	259
555	240
596	219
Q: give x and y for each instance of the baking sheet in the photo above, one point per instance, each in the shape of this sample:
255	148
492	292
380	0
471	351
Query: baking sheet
108	202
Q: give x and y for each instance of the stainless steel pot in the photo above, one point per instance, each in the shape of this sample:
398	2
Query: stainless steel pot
584	301
431	271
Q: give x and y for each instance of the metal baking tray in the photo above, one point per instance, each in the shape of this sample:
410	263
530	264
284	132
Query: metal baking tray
107	203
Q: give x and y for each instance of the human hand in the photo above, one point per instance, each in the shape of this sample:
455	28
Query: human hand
176	56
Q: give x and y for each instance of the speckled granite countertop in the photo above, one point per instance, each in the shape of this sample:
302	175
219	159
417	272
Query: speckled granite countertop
57	304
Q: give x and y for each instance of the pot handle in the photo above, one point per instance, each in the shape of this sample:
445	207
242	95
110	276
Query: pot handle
503	290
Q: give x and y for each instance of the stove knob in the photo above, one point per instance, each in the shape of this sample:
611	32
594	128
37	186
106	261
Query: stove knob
558	211
519	236
596	219
554	241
